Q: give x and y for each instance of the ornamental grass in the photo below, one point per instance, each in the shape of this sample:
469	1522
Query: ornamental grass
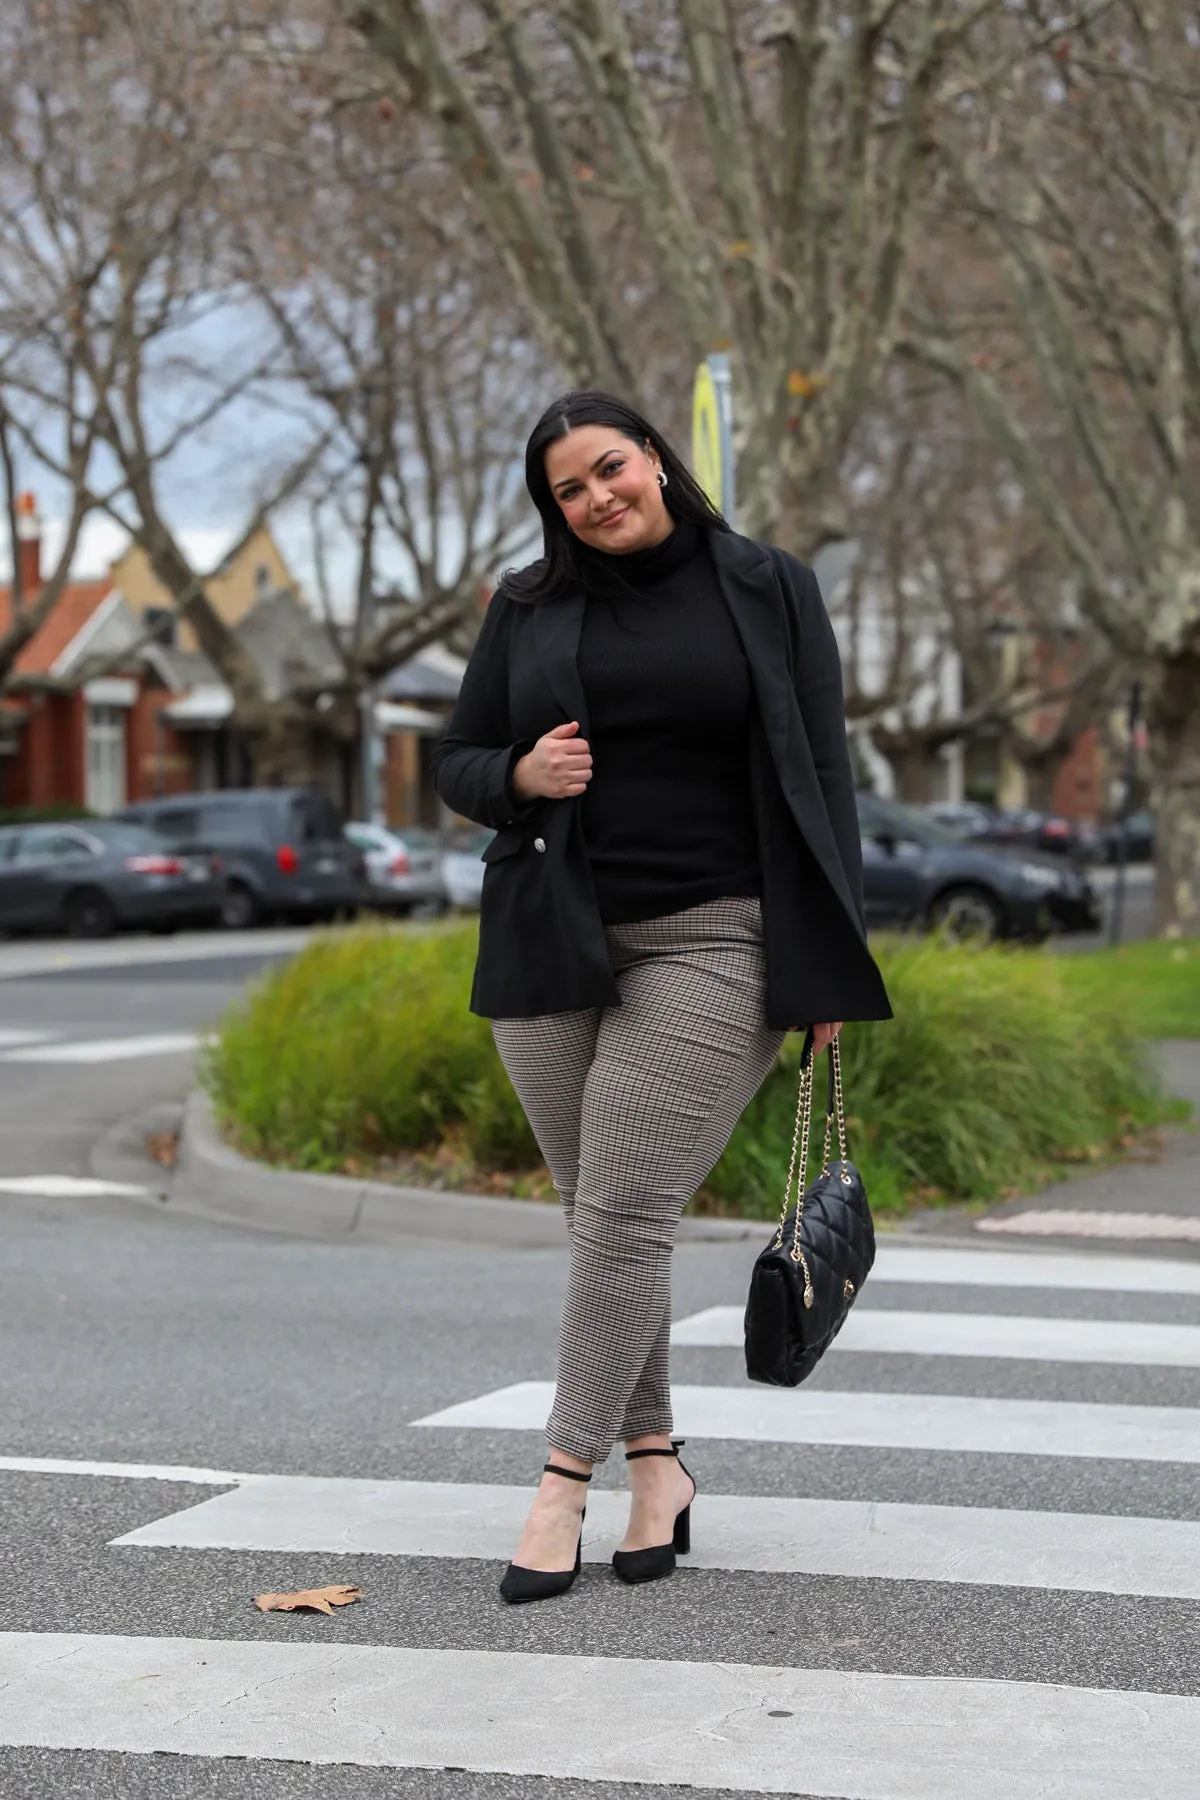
1002	1066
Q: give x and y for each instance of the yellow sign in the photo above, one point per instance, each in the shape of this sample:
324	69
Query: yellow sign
712	432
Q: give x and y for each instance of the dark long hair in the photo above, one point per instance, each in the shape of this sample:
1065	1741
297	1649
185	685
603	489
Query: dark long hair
558	569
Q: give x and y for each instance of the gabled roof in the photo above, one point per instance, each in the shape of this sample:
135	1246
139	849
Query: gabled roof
69	616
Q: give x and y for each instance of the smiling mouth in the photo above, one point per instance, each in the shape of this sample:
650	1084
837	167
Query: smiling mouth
612	518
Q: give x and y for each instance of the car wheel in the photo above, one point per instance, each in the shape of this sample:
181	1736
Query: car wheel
88	913
239	908
968	915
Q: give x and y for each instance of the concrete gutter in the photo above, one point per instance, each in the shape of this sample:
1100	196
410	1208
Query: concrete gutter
212	1179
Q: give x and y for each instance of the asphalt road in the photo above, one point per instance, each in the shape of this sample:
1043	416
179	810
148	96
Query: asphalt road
151	1364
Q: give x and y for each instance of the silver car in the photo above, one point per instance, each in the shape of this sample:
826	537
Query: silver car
403	873
462	871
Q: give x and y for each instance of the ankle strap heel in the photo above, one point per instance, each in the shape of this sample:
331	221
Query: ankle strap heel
570	1474
634	1566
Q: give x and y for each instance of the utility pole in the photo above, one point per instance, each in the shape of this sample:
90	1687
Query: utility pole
1116	919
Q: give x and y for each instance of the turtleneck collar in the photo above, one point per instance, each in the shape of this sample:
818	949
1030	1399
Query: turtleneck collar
613	575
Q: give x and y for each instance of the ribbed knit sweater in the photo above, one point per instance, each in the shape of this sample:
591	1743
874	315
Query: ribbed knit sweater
667	816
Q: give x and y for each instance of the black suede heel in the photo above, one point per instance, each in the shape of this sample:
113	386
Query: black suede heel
634	1566
521	1584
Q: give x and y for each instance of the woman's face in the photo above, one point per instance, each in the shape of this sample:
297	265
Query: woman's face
608	489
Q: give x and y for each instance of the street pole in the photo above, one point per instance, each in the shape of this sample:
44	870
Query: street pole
712	432
1116	920
368	763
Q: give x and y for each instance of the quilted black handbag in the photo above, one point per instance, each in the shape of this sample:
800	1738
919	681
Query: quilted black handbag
806	1280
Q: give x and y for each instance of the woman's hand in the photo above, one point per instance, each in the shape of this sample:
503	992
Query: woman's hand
823	1035
558	766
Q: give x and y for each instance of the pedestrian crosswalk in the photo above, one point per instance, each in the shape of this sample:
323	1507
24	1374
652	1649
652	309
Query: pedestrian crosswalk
889	1708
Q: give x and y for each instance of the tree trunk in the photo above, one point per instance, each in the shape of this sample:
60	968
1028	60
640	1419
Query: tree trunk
914	765
287	753
1173	713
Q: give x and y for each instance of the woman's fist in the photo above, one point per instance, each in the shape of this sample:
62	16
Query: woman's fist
559	765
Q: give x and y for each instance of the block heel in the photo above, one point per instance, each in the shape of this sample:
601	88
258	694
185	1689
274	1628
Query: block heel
634	1566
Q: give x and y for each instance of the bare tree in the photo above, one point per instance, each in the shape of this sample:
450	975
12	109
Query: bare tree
413	370
716	173
958	620
1080	187
216	257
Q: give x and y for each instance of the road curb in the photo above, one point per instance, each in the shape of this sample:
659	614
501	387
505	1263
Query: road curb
217	1180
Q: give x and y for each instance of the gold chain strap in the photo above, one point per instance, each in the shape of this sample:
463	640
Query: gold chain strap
800	1137
800	1140
839	1105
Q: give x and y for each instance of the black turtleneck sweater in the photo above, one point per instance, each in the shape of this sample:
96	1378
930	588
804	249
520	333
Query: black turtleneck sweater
667	815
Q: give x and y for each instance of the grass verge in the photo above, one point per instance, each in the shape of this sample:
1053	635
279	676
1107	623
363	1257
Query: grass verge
1001	1068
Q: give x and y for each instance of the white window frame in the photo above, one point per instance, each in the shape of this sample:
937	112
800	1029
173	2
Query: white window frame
105	789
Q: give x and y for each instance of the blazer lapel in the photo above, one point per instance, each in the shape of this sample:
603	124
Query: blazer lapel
556	628
747	581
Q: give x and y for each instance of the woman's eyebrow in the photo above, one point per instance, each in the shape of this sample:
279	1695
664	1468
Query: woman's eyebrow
568	479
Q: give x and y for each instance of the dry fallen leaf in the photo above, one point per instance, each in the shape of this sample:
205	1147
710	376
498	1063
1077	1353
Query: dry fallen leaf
162	1147
319	1599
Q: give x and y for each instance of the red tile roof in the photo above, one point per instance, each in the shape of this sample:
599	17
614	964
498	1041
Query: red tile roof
73	609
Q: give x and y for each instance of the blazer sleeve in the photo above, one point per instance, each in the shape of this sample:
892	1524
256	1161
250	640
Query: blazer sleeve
817	678
474	760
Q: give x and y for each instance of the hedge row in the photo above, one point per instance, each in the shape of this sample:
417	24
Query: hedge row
999	1065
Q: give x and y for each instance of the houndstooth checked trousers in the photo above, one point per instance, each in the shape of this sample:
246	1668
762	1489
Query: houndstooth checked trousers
631	1106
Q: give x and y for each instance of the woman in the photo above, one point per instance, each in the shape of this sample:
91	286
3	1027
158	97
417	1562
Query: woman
652	721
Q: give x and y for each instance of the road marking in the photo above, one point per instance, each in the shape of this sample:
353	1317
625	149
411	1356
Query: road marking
102	1050
10	1039
980	1545
65	1187
711	1725
62	1465
19	962
976	1334
976	1267
1060	1222
880	1421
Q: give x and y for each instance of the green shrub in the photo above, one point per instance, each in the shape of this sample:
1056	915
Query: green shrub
999	1063
44	815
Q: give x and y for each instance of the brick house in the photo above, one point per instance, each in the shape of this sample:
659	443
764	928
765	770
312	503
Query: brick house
81	722
95	716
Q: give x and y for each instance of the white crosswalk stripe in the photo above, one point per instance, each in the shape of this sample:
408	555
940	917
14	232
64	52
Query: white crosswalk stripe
875	1330
846	1733
980	1544
100	1050
759	1728
951	1422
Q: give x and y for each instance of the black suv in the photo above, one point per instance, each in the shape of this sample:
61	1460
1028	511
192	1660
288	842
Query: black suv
282	850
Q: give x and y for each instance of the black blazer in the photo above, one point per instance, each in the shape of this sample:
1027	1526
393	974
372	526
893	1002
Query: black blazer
541	942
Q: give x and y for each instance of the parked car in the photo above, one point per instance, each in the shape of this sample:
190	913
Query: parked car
404	873
965	818
89	878
1138	832
462	871
282	850
1051	832
918	872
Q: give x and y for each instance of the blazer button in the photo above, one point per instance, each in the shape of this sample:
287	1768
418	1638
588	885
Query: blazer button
539	843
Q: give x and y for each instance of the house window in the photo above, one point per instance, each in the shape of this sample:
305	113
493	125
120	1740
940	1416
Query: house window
105	758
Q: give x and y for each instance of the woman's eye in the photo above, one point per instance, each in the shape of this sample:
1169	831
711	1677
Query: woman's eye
613	468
